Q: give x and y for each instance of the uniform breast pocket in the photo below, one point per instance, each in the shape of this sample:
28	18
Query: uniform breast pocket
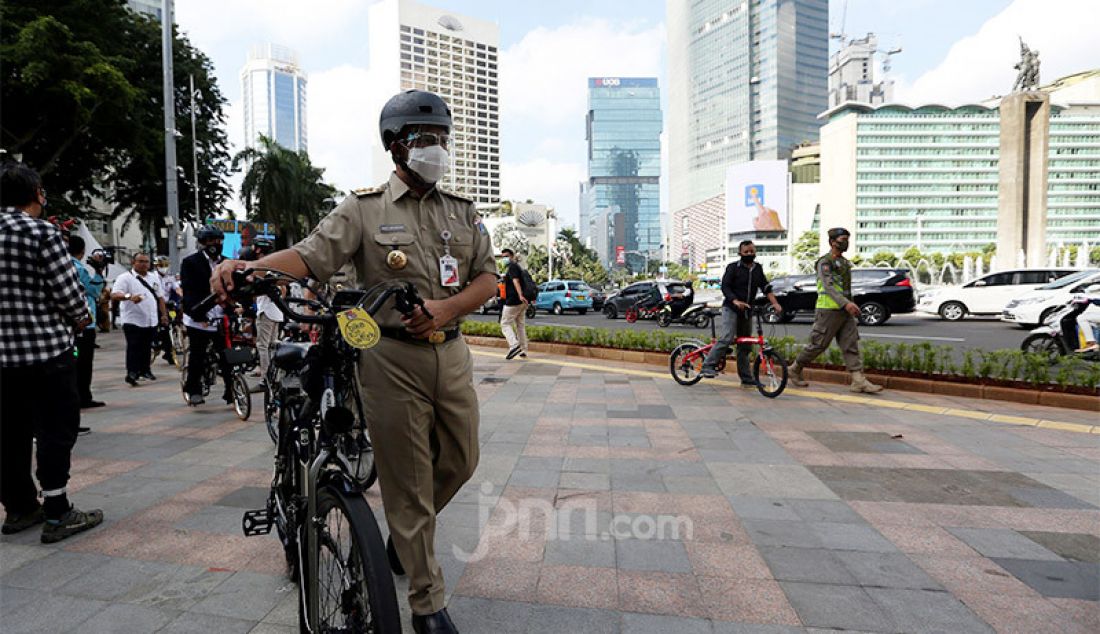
393	251
462	245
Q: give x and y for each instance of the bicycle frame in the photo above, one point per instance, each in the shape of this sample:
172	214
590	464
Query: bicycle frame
758	340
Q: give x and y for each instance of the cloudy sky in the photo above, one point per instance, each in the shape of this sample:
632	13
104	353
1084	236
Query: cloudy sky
954	51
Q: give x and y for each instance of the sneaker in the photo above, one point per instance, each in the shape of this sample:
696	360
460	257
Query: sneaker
132	380
513	352
523	355
91	404
16	523
70	524
751	383
708	373
148	375
196	399
81	431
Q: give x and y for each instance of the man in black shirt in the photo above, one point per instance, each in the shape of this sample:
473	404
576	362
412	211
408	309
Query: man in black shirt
740	284
514	313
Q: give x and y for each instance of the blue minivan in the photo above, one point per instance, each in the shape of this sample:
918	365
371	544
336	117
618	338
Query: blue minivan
558	296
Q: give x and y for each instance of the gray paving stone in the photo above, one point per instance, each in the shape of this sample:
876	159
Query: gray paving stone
115	578
546	479
538	463
852	537
245	595
178	588
694	485
782	533
728	627
628	441
841	607
555	619
1002	542
247	498
805	564
579	551
1057	579
635	623
590	481
11	598
760	508
476	615
51	613
928	612
886	570
826	511
53	571
655	555
193	623
124	617
653	484
587	465
225	520
1070	546
15	555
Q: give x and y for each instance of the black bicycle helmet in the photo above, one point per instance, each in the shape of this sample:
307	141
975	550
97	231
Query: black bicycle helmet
267	244
209	232
412	107
838	232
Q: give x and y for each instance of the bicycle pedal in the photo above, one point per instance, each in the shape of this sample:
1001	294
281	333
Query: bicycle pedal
257	523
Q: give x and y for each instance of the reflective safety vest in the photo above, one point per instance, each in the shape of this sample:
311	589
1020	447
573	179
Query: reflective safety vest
840	279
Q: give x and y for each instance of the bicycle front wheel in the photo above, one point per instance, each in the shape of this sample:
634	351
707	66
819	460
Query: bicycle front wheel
353	586
770	371
242	398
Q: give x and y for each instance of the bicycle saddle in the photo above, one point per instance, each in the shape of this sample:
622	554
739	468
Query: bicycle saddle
290	355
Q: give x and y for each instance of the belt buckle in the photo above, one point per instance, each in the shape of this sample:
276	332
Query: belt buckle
437	336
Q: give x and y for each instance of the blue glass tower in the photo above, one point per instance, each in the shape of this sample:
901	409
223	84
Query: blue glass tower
622	193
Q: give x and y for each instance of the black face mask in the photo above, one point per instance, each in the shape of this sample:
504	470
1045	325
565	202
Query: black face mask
842	245
748	259
213	250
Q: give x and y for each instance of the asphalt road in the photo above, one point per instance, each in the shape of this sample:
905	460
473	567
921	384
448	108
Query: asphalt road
972	332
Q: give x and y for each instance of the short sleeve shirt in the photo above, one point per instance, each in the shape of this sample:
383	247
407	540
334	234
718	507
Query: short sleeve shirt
373	222
514	272
144	313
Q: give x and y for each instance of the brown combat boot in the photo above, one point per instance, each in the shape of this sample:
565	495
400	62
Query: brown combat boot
796	379
861	384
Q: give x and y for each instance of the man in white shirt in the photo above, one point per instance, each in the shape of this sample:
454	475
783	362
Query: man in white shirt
171	293
141	307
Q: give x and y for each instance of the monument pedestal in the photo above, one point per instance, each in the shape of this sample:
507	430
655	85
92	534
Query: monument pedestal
1022	197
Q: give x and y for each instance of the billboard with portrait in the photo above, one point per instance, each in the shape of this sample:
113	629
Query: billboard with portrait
756	197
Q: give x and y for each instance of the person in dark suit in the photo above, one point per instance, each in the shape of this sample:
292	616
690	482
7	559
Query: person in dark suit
195	272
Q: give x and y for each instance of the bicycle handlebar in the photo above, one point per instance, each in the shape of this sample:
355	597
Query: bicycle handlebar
406	301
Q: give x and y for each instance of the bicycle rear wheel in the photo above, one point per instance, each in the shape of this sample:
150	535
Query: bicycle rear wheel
354	588
770	371
242	398
686	371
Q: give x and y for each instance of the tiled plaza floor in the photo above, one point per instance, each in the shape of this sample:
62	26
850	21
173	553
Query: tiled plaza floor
607	501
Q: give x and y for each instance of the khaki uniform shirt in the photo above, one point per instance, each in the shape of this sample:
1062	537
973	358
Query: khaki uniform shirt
366	227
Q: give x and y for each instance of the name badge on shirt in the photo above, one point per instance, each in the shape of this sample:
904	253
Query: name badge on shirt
448	271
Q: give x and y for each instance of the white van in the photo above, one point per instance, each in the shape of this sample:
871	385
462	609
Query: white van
1032	308
989	294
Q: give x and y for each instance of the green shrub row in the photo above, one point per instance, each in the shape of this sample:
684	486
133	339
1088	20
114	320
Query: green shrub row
919	358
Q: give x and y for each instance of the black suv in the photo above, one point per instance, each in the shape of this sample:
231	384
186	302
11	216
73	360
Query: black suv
615	305
879	293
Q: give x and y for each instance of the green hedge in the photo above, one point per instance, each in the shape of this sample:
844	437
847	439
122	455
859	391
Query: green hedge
919	358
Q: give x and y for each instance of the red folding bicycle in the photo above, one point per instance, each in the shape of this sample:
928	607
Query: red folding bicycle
769	369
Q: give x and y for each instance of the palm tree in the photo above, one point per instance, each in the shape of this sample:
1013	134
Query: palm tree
282	187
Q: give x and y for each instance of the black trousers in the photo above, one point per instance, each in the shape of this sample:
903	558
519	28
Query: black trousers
37	402
198	356
139	348
85	348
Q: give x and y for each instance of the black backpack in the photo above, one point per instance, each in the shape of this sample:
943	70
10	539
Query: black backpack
530	289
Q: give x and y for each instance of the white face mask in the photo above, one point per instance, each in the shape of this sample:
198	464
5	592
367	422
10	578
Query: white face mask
162	270
429	163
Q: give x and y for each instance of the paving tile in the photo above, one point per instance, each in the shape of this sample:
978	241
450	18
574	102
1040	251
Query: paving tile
763	508
781	533
746	600
586	586
1061	579
851	537
660	624
1002	542
245	595
926	611
730	627
1021	615
655	555
122	617
541	478
806	564
499	579
825	511
555	619
193	623
660	593
15	555
840	607
887	570
117	577
53	571
51	613
580	552
1069	546
588	481
737	561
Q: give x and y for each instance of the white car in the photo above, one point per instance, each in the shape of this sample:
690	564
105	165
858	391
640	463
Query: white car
1031	309
989	294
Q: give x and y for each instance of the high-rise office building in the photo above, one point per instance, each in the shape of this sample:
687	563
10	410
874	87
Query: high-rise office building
747	81
852	73
274	89
414	46
623	129
152	8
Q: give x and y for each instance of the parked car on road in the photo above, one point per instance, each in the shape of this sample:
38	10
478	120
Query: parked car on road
989	294
1032	308
616	304
558	296
879	293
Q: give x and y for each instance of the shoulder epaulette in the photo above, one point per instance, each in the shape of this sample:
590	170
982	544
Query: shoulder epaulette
363	192
458	196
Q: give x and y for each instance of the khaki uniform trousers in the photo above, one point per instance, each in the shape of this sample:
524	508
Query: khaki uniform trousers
513	323
422	414
829	324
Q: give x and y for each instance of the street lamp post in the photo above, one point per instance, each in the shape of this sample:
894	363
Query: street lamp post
195	154
170	185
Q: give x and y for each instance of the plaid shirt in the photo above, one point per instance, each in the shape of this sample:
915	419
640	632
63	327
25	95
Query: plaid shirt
41	299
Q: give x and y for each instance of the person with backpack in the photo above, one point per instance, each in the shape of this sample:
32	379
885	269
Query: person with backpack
514	314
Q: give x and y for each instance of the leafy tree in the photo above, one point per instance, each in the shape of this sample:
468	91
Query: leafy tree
883	257
283	187
806	250
508	236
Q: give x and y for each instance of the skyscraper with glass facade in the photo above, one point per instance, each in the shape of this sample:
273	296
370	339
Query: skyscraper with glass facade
274	90
747	80
621	195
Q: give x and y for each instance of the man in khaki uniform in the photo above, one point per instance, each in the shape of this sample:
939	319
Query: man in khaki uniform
418	390
835	315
